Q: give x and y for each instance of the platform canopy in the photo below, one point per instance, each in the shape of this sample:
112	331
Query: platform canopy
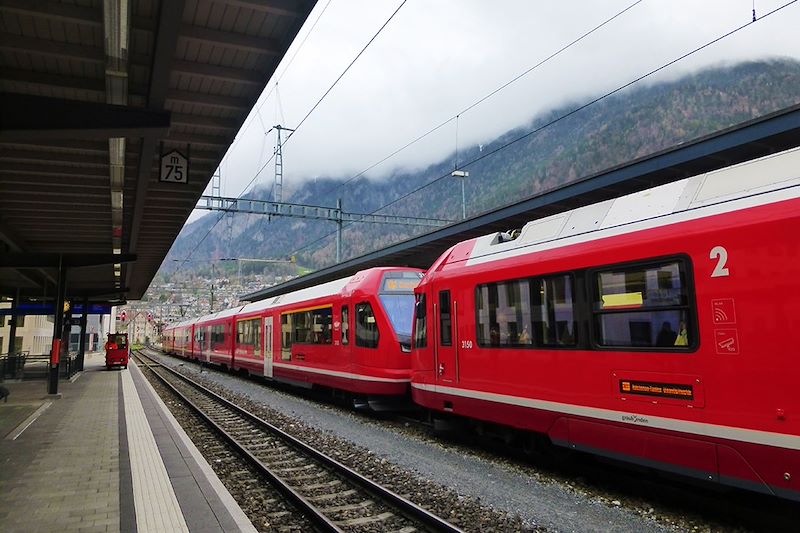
92	94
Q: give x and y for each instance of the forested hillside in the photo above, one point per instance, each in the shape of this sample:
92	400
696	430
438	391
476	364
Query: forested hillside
615	130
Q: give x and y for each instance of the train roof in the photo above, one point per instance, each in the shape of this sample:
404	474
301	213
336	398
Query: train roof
182	323
760	181
225	313
310	293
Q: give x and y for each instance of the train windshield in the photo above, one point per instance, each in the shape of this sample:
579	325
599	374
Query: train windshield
400	308
397	297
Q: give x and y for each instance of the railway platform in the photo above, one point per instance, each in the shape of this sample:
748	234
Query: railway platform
104	455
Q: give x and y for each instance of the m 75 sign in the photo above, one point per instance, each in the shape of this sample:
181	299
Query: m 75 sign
174	167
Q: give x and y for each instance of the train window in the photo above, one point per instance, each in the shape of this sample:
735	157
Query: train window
312	327
322	325
527	313
553	312
445	321
397	298
345	325
367	335
420	323
217	336
286	336
643	307
248	333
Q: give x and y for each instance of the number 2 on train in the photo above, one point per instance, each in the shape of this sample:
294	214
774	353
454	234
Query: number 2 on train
721	254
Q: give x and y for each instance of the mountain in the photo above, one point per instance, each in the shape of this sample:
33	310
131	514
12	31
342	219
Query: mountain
553	149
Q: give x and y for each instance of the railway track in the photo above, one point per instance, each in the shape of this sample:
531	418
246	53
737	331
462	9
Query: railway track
330	495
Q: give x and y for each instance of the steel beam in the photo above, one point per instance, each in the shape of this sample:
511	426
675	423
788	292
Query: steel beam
287	8
207	70
58	329
332	214
211	100
71	260
237	41
39	117
166	40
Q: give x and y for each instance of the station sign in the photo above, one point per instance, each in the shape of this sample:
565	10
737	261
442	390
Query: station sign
26	309
174	167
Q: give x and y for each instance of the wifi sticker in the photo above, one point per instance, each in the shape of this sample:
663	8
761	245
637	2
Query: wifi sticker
723	311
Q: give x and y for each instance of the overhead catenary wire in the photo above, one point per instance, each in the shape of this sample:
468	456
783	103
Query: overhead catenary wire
489	95
560	118
314	107
479	101
347	69
277	80
249	123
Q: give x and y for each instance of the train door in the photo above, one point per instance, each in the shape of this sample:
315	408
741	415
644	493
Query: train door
206	347
345	334
446	353
268	345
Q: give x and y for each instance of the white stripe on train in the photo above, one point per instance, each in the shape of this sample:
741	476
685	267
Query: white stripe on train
753	436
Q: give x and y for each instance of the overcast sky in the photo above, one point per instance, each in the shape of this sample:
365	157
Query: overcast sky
437	57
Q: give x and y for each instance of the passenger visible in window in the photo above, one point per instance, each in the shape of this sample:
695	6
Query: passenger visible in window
494	335
524	337
683	336
666	336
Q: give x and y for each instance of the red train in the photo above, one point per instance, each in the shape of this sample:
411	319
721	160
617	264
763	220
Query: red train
660	328
352	334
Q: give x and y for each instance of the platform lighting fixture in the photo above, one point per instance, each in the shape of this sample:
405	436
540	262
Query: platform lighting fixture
116	199
463	174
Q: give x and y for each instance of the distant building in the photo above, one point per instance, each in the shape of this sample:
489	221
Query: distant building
34	334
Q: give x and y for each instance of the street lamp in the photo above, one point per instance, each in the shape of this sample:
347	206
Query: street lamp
463	174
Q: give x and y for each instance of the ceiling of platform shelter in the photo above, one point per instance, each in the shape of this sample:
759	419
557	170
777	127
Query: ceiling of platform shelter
92	94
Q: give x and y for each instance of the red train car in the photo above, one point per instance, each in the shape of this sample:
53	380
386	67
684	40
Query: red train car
168	338
213	338
660	328
180	338
352	334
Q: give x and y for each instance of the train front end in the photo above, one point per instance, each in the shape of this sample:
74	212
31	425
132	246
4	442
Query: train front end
383	308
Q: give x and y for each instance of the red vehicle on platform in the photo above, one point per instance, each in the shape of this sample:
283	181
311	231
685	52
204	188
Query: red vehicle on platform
661	328
117	350
352	335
